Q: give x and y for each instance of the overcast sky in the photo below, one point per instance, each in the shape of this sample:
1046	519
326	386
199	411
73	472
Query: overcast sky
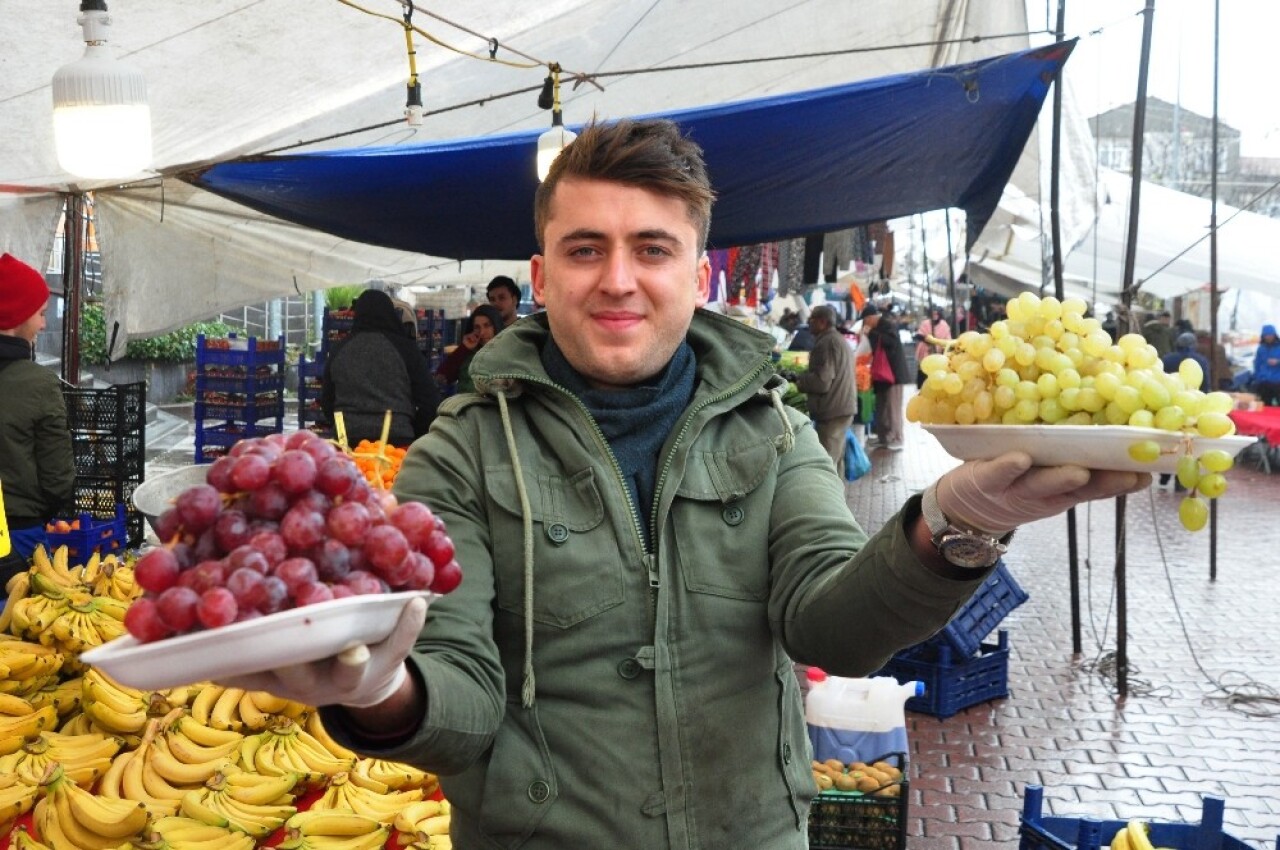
1103	70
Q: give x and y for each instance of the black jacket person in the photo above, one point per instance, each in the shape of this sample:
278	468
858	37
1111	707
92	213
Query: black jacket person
378	369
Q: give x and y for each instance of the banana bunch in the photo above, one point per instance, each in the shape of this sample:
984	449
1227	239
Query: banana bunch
16	799
183	724
285	747
329	830
18	586
16	725
181	833
63	694
83	758
150	775
394	775
351	792
28	667
123	710
251	803
54	569
218	707
109	576
315	727
1134	835
69	816
424	824
258	710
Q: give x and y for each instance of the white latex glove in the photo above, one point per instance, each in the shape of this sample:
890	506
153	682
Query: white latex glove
998	495
358	677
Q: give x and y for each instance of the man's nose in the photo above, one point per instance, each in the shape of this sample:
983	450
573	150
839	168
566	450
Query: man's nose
618	273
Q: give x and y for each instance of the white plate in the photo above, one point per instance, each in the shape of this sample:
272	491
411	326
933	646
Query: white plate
1091	446
295	636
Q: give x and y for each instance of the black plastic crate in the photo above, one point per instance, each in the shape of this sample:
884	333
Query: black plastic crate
952	682
1063	833
109	455
848	819
117	409
101	497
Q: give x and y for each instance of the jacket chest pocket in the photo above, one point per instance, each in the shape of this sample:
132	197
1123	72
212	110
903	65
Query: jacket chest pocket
577	572
721	522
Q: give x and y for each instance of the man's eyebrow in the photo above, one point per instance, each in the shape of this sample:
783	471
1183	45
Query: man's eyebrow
585	234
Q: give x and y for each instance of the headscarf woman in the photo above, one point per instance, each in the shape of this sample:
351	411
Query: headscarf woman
483	325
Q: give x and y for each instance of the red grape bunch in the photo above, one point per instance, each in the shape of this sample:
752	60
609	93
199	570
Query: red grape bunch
281	522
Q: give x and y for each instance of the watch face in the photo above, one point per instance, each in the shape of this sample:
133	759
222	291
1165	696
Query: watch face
966	551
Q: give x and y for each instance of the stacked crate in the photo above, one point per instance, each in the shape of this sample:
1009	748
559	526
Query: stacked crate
310	383
108	443
239	392
957	667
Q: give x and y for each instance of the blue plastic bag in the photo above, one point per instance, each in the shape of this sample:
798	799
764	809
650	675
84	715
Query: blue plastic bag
856	462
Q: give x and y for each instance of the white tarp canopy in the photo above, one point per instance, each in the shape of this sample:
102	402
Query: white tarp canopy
229	78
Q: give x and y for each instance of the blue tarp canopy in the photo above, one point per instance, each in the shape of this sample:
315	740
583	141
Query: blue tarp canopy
784	166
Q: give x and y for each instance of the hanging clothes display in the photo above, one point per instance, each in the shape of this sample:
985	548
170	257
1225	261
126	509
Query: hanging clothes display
790	266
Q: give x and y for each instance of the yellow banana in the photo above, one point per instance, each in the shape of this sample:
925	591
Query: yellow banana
16	800
73	748
257	820
91	569
331	823
436	825
185	749
99	687
395	775
110	718
14	729
20	839
158	787
407	818
110	783
78	723
14	706
179	830
203	734
226	711
104	816
195	806
253	717
54	570
205	700
316	727
81	837
181	772
272	704
1138	837
369	841
312	752
256	789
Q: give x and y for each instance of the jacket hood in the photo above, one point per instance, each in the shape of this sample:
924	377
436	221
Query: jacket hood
375	312
14	348
723	347
1268	330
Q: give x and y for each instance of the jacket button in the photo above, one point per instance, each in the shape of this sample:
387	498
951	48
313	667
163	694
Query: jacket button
786	754
558	532
539	791
628	668
733	514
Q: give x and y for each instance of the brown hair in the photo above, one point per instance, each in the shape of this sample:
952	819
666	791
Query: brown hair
650	154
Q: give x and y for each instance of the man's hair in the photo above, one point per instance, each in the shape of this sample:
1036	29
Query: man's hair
824	312
650	154
502	281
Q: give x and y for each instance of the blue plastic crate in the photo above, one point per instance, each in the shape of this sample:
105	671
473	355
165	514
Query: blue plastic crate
1063	833
952	682
94	535
984	611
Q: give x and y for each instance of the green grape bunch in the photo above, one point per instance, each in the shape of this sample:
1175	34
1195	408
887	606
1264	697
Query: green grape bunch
1047	363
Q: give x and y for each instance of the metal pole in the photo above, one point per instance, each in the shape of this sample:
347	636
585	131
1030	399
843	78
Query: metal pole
72	285
1126	298
953	322
1055	236
1213	285
924	262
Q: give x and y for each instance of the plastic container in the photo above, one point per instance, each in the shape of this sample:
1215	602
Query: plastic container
952	682
857	719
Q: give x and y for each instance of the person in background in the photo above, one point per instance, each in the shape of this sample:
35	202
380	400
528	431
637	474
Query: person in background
1216	354
482	326
408	317
649	538
935	326
37	467
882	333
1158	331
1184	349
828	384
378	368
504	294
1266	367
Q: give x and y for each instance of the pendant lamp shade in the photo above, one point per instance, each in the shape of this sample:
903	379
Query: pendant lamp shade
101	120
550	144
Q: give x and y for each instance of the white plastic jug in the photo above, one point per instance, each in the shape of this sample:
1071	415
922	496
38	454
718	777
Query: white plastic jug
857	719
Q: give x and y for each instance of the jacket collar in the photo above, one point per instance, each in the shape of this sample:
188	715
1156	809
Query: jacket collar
14	348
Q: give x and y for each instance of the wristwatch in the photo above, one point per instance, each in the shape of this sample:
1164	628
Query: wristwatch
960	546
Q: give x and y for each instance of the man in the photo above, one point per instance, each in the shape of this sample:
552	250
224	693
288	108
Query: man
37	469
1266	367
505	295
1158	331
828	384
882	332
649	536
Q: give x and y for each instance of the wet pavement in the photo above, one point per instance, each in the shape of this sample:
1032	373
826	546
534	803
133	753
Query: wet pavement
1197	649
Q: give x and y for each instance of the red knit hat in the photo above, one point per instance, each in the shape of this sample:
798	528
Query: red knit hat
23	292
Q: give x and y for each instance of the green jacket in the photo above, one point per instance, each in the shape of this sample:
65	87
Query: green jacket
37	470
642	699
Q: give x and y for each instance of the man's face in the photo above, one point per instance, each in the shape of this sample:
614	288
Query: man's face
506	303
29	329
621	276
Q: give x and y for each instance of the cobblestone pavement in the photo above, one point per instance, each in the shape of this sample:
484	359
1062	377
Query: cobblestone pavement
1191	641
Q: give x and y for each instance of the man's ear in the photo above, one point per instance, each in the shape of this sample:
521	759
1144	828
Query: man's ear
703	294
536	277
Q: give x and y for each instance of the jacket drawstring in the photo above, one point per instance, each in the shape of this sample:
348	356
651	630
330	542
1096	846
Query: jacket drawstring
787	439
527	684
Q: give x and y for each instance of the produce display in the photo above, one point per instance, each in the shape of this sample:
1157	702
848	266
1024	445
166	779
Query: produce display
282	522
879	778
1048	363
87	763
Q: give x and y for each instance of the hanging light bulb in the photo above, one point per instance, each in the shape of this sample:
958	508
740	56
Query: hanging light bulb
552	142
101	120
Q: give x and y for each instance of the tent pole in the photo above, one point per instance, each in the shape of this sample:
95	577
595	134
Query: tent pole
1055	238
924	263
1213	285
73	235
1126	300
951	282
